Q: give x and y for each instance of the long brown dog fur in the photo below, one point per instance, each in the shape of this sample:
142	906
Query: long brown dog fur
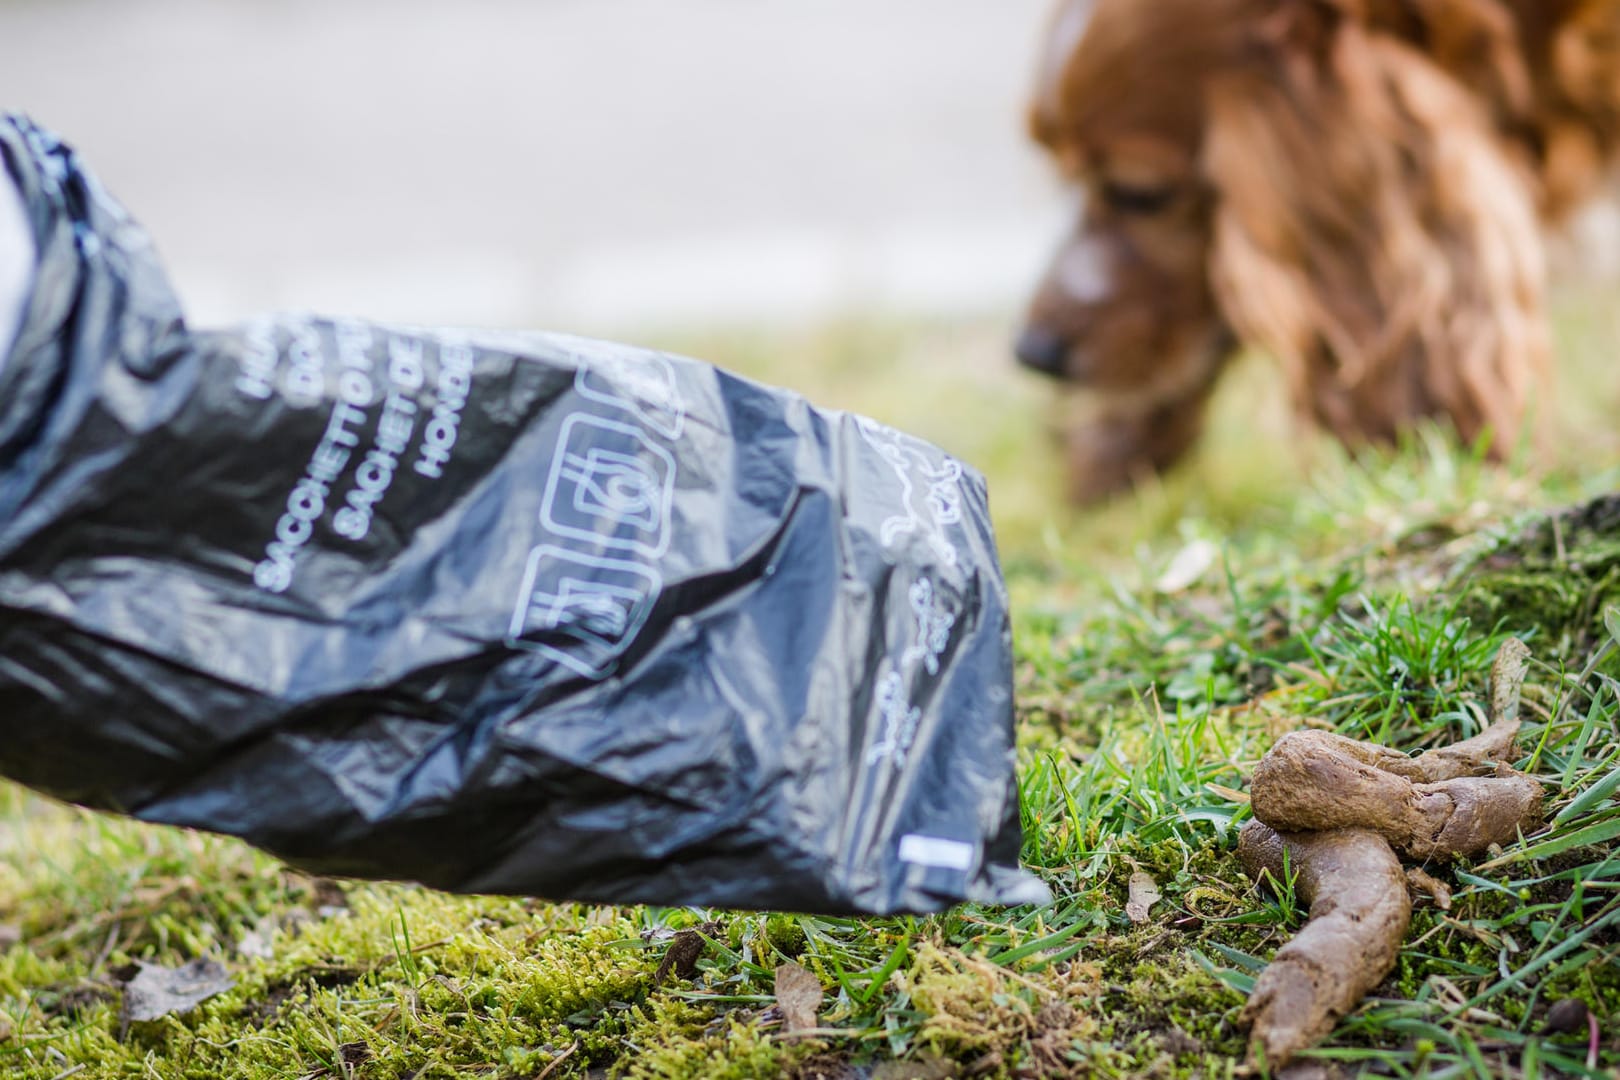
1358	188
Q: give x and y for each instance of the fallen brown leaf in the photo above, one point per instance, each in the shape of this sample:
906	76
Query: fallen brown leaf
682	957
1144	893
156	991
798	995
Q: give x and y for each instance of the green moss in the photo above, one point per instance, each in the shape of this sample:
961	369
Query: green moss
1555	576
966	1005
683	1050
785	935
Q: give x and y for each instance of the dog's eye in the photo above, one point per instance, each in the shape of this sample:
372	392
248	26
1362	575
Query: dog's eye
1136	198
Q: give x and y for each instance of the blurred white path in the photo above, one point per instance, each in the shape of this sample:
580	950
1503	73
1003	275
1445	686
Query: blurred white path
593	165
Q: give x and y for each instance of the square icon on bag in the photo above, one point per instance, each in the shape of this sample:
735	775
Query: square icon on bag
610	486
583	611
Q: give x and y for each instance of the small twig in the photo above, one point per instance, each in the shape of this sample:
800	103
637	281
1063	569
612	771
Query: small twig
1426	935
556	1061
106	948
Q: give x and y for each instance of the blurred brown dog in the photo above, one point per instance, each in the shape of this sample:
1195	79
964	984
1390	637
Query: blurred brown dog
1356	187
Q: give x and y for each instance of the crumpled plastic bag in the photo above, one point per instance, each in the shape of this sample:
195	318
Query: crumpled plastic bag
507	613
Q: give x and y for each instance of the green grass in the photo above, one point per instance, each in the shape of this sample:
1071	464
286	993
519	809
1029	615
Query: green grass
1366	596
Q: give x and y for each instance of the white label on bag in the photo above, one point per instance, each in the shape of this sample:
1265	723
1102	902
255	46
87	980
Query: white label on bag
936	851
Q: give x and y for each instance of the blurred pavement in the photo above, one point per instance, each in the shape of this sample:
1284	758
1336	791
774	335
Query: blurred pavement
592	165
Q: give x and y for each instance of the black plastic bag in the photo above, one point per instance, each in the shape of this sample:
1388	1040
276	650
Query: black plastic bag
493	612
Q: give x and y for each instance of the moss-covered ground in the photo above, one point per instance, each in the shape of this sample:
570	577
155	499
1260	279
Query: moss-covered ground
1367	596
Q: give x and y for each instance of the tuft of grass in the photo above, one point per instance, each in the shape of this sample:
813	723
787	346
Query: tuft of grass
1402	667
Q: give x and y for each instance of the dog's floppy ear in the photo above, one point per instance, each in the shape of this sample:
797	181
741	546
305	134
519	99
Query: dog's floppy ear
1371	231
1067	26
1582	126
1301	31
1477	42
1586	58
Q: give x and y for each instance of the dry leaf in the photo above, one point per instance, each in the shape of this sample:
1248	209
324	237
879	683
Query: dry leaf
255	943
1144	894
1231	795
1189	564
254	946
798	995
684	949
157	991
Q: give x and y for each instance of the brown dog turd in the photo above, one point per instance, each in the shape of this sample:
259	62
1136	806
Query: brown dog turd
1307	782
1355	891
1340	810
1355	187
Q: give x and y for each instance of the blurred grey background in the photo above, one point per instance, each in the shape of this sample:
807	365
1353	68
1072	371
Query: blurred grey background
590	165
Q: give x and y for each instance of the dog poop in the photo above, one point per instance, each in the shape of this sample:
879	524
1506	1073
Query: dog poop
1343	812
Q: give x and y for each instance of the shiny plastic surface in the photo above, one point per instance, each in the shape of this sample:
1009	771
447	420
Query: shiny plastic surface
493	612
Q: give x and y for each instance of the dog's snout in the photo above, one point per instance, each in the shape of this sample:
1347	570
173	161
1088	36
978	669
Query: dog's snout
1043	349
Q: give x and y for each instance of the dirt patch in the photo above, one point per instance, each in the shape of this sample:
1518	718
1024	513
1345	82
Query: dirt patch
1178	1043
73	1000
262	1011
1052	1040
827	1067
